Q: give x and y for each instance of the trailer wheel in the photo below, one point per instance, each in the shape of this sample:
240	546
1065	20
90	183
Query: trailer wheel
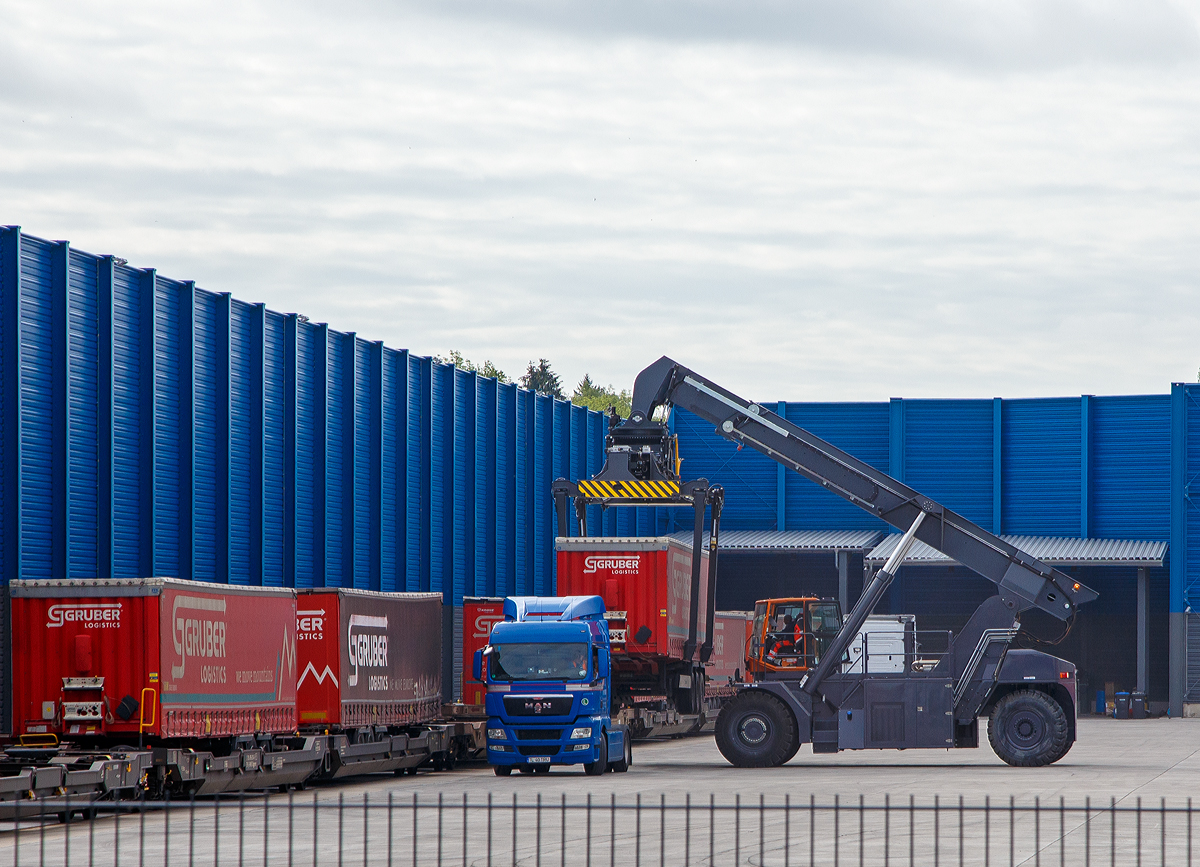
755	730
598	767
502	770
1028	729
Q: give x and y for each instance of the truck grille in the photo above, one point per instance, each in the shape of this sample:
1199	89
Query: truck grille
538	734
538	751
538	705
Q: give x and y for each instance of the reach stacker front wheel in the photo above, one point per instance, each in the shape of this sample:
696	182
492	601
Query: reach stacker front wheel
1029	729
756	730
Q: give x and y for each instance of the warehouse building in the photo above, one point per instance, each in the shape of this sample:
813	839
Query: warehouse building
150	427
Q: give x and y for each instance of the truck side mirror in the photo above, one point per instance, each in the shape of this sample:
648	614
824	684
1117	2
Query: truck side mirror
602	663
477	665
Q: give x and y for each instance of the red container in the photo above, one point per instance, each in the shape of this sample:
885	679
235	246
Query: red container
646	584
480	614
95	657
728	660
368	658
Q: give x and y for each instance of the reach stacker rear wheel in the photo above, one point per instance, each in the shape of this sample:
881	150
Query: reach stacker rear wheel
1029	729
755	730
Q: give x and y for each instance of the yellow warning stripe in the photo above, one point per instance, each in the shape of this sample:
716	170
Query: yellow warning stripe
632	490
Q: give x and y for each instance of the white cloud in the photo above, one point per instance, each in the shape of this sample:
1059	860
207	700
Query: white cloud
955	199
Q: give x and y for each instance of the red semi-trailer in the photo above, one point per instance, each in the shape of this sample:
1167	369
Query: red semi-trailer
368	658
109	659
480	614
646	584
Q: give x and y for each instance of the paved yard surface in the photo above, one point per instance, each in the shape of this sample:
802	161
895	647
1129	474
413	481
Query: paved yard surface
1123	761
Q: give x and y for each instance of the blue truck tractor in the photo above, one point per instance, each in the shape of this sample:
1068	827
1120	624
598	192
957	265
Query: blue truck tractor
548	672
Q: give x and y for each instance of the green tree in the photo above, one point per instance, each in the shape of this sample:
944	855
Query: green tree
542	379
463	363
600	398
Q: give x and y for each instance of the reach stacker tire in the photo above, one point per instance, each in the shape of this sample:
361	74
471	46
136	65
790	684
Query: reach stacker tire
755	730
596	768
1028	729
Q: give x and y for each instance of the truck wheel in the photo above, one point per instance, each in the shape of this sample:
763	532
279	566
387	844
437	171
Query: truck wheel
502	770
626	757
595	769
755	730
1028	729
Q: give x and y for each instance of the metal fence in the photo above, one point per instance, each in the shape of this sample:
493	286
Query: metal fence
303	831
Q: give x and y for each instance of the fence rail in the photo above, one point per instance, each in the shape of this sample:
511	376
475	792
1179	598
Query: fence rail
299	831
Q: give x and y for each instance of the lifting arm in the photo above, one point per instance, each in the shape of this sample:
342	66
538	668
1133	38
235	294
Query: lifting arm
1024	581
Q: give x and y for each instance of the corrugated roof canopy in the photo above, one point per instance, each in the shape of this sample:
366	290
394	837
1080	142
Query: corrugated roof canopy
794	540
1053	550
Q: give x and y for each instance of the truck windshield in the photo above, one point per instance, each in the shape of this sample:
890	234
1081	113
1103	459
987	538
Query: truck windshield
538	661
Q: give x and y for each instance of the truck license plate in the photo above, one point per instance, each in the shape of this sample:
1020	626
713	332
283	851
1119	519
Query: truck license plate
539	760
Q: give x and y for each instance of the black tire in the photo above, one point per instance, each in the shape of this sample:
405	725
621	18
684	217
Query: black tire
1029	729
756	730
502	770
595	769
542	769
627	757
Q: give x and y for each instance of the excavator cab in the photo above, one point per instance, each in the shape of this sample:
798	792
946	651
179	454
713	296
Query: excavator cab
791	634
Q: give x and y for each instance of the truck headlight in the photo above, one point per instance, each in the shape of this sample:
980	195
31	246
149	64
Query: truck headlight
583	732
497	735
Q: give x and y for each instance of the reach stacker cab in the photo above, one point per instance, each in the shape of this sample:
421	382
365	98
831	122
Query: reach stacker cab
791	634
547	669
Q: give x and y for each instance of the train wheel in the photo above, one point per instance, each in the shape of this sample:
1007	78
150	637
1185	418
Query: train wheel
756	730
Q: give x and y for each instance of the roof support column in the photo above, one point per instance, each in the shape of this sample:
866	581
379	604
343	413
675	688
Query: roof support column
1177	620
1143	634
843	567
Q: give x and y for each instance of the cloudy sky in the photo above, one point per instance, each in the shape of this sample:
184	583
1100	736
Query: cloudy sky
847	200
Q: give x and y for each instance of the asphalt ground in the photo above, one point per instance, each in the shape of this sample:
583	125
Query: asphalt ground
687	815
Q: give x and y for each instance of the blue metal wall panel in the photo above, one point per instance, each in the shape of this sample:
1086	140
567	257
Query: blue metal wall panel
210	411
543	475
168	413
1131	467
441	482
127	468
309	429
484	577
336	547
36	410
948	454
749	477
463	485
859	428
506	483
394	480
82	405
363	502
523	559
10	449
274	441
241	409
417	520
1041	459
1191	502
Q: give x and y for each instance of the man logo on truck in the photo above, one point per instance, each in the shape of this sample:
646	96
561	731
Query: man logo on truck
367	649
623	565
98	615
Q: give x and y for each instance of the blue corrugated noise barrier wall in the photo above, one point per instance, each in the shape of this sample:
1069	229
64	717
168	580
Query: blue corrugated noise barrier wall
150	427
